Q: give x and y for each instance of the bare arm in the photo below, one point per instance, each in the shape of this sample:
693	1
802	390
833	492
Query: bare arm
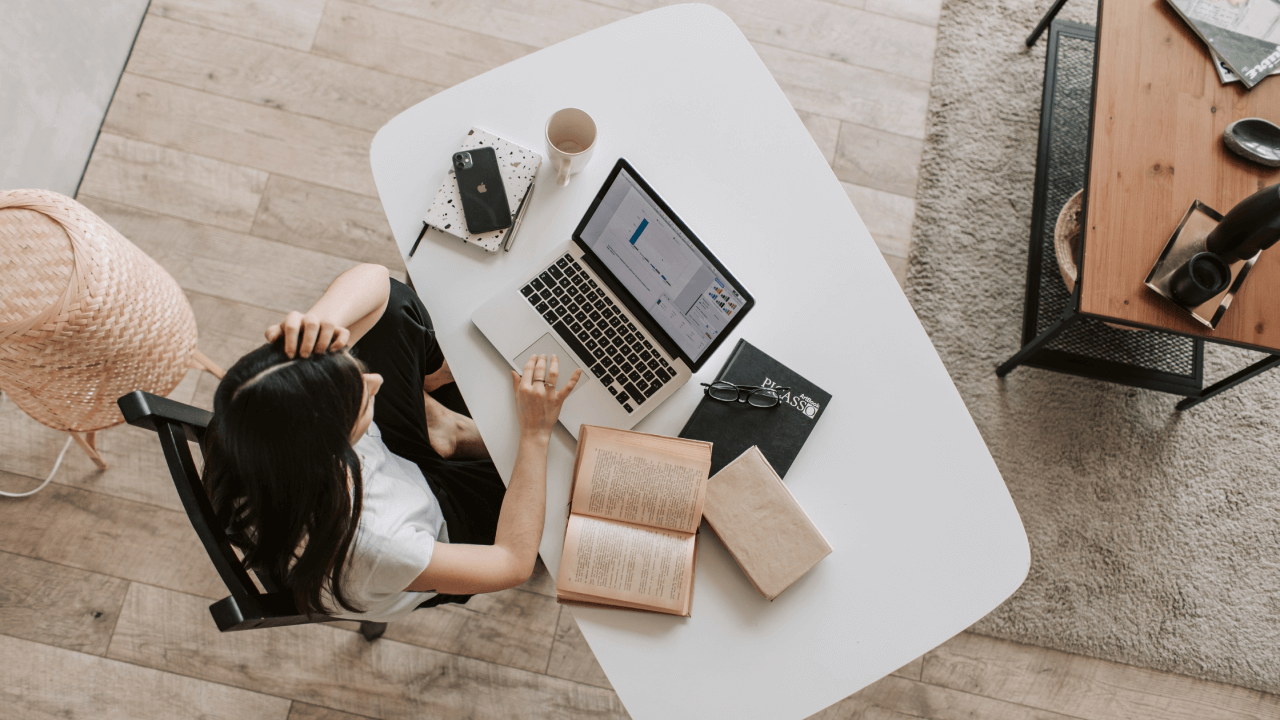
460	569
351	305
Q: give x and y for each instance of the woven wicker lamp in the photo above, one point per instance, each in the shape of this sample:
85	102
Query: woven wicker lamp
85	317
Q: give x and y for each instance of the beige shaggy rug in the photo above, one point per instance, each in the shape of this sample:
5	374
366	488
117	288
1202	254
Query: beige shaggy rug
1155	535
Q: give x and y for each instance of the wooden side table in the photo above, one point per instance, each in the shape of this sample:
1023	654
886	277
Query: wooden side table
1155	122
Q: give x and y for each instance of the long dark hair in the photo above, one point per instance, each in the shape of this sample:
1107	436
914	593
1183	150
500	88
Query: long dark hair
277	461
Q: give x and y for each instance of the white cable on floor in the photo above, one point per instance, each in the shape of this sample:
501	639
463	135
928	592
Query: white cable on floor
57	463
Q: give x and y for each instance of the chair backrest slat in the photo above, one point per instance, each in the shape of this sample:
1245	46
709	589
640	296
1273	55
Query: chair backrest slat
176	424
195	500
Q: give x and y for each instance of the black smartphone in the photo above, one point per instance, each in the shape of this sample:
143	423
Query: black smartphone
484	198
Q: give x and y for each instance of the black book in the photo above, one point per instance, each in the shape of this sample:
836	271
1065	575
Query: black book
779	431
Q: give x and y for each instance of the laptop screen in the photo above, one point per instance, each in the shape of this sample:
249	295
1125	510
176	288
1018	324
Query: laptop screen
665	270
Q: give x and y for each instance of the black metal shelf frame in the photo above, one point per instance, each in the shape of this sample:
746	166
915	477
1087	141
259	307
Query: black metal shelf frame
1055	334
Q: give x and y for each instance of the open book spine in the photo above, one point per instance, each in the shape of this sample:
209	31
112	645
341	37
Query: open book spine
635	507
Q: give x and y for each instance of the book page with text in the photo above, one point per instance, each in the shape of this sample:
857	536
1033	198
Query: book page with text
642	567
643	479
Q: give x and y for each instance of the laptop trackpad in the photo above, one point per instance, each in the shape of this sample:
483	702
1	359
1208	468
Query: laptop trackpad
548	345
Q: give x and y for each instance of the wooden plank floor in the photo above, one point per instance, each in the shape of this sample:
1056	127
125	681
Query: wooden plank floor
236	154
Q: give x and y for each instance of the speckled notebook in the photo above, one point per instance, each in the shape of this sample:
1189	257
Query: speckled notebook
518	164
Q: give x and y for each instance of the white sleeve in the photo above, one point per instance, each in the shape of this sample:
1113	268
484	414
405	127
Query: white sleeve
403	557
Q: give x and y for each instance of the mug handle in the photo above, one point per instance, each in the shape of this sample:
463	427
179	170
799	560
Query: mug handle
562	173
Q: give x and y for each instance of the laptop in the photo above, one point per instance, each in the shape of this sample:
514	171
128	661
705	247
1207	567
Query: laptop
634	299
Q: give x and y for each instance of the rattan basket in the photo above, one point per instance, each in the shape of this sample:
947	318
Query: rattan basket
1066	244
85	317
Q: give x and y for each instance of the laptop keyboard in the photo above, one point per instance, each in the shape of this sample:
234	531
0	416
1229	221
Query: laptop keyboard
598	332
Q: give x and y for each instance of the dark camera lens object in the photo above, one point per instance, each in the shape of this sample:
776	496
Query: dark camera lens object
1206	275
1200	279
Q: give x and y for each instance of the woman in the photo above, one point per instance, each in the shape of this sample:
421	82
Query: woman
367	510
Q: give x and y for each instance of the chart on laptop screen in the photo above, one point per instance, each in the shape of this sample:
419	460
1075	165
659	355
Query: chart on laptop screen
667	274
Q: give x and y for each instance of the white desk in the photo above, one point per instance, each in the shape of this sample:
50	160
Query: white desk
896	476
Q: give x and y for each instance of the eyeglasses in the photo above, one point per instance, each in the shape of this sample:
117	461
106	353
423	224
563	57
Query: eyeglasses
757	396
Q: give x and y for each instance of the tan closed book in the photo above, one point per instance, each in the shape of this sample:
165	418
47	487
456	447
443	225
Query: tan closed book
761	524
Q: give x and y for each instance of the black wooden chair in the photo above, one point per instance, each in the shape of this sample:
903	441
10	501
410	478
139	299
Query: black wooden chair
247	607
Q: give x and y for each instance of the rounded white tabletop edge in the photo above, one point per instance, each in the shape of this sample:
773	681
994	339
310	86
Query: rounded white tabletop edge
896	475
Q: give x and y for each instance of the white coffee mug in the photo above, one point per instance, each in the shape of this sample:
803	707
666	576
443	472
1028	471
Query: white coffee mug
571	138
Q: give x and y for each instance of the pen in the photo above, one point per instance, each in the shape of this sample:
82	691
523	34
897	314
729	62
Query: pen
511	231
414	249
524	207
515	216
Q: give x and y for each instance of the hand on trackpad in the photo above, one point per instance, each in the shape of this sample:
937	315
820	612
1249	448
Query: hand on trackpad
548	345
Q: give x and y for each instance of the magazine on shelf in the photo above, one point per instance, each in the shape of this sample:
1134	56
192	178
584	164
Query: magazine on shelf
1225	74
1245	34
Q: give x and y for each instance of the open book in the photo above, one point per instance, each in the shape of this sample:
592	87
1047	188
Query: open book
634	512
